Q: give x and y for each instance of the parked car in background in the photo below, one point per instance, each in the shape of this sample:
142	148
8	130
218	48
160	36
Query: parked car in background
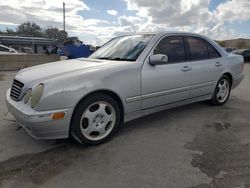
27	50
127	78
244	52
229	50
7	50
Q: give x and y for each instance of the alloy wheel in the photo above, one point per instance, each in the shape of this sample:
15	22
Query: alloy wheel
223	90
97	120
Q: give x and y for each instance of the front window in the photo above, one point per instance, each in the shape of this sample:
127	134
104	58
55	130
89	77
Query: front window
173	47
125	48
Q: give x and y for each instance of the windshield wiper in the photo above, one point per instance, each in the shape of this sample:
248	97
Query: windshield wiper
115	58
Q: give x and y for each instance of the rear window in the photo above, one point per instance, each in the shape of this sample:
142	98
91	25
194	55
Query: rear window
201	49
198	48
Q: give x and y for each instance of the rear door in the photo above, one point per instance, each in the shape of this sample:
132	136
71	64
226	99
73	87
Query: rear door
206	66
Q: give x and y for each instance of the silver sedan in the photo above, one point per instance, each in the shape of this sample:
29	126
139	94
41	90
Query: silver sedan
127	78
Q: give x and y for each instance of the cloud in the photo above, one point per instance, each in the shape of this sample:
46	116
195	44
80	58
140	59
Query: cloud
112	12
48	13
190	15
234	10
145	15
44	13
132	21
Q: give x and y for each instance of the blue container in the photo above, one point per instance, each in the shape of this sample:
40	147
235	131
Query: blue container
76	51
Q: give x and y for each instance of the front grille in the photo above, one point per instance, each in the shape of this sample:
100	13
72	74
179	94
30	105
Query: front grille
16	90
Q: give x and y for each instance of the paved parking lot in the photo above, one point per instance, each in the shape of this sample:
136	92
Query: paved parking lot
192	146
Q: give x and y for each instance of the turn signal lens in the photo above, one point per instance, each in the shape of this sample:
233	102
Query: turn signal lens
59	115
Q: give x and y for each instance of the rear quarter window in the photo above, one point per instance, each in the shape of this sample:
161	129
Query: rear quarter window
213	53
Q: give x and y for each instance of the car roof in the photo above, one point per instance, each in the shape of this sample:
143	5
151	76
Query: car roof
162	33
170	32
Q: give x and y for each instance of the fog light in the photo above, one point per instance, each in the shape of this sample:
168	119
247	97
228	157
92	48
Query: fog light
59	115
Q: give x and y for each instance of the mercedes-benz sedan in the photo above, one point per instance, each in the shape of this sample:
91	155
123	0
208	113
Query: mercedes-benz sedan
128	77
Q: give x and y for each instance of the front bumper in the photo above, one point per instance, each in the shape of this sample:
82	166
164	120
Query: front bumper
39	124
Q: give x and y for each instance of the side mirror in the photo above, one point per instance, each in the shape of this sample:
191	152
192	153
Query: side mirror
11	51
158	59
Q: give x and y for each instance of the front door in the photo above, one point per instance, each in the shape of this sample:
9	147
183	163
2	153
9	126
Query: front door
168	83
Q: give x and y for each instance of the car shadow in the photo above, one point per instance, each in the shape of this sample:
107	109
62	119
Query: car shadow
146	122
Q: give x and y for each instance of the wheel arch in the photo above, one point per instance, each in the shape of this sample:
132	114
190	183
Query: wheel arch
229	75
114	95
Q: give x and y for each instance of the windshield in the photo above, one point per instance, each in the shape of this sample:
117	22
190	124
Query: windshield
126	48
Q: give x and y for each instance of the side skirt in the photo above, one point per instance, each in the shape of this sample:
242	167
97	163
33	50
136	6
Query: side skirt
138	114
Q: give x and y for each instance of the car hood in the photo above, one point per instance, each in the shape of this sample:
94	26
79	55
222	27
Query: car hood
50	70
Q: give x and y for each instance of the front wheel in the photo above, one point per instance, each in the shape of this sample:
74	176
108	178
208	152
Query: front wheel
222	91
95	119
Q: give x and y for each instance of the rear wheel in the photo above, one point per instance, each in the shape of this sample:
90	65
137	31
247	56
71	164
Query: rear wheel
95	119
222	91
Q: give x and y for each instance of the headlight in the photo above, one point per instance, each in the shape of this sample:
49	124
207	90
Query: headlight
27	96
36	95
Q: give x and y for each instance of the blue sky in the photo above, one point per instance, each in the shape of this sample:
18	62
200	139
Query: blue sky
214	3
95	21
100	7
239	26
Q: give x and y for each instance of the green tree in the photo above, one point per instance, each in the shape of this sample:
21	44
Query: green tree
52	33
221	43
56	34
29	29
62	36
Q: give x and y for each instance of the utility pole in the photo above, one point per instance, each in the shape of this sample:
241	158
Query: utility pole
33	44
63	16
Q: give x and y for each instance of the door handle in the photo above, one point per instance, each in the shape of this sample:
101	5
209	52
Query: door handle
218	64
186	68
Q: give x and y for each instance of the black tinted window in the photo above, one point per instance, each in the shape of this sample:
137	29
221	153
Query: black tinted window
198	48
173	47
213	53
4	49
247	53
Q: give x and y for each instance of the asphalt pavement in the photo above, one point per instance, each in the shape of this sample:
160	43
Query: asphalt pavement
197	145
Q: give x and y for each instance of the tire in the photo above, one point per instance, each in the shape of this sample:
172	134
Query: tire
222	91
95	119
